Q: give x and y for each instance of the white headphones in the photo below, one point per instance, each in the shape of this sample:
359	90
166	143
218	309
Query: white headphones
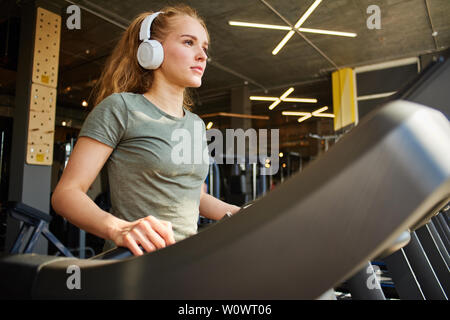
150	53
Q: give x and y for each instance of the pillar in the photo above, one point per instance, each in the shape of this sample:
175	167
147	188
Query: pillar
34	114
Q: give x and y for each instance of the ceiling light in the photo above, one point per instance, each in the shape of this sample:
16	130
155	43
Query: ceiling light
334	33
300	100
283	98
258	25
307	13
294	113
297	26
273	105
283	42
288	92
256	98
209	126
281	154
63	123
325	115
284	165
305	100
318	113
278	27
306	117
320	110
84	103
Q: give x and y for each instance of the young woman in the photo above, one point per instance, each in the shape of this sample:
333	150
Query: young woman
155	201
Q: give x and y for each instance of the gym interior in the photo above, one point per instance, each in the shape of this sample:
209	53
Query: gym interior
349	100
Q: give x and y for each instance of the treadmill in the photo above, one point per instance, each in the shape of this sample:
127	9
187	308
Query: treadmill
390	174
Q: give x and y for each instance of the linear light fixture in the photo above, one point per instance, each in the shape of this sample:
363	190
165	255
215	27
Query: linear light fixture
209	126
320	110
294	113
288	92
318	113
307	13
306	115
273	105
304	100
256	98
282	98
297	26
258	25
334	33
278	27
280	46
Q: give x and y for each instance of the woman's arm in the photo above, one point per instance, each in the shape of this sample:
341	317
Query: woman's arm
71	201
213	208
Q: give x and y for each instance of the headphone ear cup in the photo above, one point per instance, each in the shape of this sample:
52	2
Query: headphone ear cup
150	54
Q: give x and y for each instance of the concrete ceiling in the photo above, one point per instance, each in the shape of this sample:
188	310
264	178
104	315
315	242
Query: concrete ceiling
244	54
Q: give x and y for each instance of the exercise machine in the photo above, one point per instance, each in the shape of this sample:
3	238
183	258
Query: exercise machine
309	234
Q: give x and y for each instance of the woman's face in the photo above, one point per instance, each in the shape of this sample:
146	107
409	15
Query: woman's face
185	49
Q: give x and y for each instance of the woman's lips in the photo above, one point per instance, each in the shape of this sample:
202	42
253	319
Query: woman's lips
198	69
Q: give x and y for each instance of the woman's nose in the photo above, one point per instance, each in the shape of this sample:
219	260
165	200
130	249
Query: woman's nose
201	55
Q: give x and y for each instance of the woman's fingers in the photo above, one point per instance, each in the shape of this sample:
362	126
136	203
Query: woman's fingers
164	229
139	234
131	244
168	225
152	235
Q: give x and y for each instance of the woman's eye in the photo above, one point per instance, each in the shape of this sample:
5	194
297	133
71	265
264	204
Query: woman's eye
189	42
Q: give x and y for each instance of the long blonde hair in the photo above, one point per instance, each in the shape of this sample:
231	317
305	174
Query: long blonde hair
122	72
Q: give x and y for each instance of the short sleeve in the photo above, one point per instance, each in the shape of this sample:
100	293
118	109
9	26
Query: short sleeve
107	122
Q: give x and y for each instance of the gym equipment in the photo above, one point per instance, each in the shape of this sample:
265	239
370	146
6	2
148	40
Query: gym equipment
36	221
309	234
213	188
409	265
441	226
364	285
242	181
214	180
150	53
430	88
358	285
416	277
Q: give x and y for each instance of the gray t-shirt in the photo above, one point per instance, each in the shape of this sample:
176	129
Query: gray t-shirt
158	164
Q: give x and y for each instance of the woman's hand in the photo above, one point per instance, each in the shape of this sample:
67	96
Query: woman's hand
149	232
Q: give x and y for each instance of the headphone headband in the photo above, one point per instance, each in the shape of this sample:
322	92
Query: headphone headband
144	34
